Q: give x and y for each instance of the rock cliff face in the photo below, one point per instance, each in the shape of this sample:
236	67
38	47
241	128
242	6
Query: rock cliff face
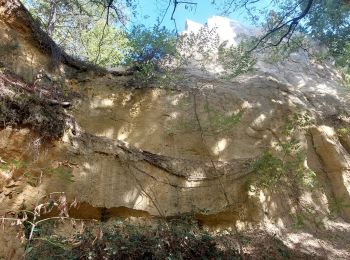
198	148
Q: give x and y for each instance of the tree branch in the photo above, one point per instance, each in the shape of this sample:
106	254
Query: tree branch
176	3
292	24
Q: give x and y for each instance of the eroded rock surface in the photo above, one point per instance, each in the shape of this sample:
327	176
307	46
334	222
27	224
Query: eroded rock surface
156	151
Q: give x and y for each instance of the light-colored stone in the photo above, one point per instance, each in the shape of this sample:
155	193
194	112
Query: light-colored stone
166	152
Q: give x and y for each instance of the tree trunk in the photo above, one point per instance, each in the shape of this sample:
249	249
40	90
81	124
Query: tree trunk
52	18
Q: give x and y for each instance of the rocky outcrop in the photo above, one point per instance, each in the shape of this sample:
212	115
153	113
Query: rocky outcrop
336	161
165	152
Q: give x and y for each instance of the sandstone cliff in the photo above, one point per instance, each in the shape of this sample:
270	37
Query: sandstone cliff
155	151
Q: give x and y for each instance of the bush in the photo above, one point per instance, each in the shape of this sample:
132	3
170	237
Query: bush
180	238
149	49
270	170
235	60
159	54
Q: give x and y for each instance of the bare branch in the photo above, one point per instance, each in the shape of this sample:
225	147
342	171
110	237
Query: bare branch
228	10
166	11
176	3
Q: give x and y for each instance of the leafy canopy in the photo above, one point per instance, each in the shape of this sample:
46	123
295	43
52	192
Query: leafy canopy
95	30
85	28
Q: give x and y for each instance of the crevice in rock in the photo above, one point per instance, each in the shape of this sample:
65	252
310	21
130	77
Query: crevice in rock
345	143
206	146
86	211
335	161
180	168
322	170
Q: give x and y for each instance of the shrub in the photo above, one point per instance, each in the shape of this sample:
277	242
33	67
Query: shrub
269	170
148	50
343	132
180	238
235	60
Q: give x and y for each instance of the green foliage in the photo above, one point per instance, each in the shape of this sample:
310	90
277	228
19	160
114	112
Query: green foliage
235	60
13	165
9	51
182	126
346	79
9	48
178	239
220	122
337	205
63	173
32	173
283	51
328	21
156	54
149	51
326	24
343	132
307	215
343	62
223	123
270	170
198	47
299	121
104	45
31	177
80	28
150	45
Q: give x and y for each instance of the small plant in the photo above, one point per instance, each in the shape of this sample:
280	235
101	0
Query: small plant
222	123
270	169
203	48
307	215
32	220
32	173
10	48
63	173
13	165
31	178
346	80
179	238
343	132
299	220
158	56
337	205
299	121
235	60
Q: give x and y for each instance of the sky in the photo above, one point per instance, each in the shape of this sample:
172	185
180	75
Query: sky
149	10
